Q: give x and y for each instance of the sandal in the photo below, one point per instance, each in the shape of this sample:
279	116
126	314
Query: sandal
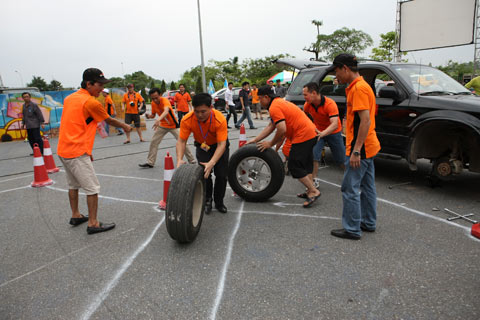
302	195
310	201
125	142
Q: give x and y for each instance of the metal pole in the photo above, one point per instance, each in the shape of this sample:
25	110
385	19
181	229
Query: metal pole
397	56
204	82
21	78
476	39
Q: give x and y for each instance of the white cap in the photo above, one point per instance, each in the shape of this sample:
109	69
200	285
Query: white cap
106	90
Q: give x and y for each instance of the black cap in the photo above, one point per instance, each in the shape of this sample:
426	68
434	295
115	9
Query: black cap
94	75
265	90
343	59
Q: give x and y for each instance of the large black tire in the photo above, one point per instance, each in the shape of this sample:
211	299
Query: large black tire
185	203
255	176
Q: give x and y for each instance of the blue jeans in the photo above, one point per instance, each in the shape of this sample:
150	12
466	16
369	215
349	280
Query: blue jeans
359	196
335	142
245	114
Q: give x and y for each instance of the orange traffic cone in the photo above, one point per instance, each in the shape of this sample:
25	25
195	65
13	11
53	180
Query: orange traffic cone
242	138
48	157
476	230
168	171
40	176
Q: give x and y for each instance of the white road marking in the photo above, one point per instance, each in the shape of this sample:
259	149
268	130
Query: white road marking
291	215
284	204
98	300
123	177
106	197
14	189
223	276
16	178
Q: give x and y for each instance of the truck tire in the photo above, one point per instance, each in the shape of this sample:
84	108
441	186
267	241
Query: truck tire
185	203
255	176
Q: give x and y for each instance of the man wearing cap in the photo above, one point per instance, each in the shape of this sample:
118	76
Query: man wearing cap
166	122
210	133
291	122
358	186
32	120
130	103
81	113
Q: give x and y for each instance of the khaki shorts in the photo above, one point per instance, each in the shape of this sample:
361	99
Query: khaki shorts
80	174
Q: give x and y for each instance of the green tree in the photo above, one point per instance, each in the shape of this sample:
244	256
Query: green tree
456	70
343	40
386	50
163	86
116	82
198	85
314	46
39	83
173	86
55	86
259	70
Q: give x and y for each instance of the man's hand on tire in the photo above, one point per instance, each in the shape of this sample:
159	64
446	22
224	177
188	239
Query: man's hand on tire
180	162
264	145
208	168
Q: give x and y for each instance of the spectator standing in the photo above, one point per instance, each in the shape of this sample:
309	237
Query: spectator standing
183	102
474	84
290	122
32	120
110	108
324	112
280	90
81	113
230	105
130	103
270	84
358	186
257	107
209	128
166	123
244	97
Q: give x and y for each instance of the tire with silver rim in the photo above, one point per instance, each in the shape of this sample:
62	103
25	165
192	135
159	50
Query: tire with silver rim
253	175
185	203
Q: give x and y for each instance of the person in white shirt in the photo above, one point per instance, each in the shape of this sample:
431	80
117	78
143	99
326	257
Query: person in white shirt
229	104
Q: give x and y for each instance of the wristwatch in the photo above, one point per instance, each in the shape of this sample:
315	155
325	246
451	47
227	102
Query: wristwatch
356	153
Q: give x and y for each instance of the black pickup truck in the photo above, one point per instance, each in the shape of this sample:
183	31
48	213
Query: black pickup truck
421	112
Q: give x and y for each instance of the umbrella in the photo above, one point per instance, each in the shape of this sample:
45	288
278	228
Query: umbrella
284	76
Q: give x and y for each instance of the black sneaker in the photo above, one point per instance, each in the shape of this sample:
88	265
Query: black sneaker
221	208
228	127
145	165
208	206
342	233
253	128
101	228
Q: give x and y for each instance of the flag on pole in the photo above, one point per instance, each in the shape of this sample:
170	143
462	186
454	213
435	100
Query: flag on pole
211	88
225	84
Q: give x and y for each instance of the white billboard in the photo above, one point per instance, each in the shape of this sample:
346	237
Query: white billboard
429	24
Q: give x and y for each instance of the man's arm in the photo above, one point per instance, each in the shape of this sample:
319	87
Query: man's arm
221	146
361	136
241	101
180	147
114	122
279	136
332	127
262	135
162	116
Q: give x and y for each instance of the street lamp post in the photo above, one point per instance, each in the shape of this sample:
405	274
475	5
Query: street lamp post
21	78
204	82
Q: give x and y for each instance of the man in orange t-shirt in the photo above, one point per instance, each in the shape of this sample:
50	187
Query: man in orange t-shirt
130	104
166	122
183	102
291	122
110	108
256	106
358	187
324	112
81	113
209	128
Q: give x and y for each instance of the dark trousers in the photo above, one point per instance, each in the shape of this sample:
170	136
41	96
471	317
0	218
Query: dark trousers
35	137
232	110
180	115
220	170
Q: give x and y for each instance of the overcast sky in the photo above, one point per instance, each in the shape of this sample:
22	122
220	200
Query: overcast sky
58	39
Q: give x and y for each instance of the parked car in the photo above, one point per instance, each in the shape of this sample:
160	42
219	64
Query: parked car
170	94
219	98
421	112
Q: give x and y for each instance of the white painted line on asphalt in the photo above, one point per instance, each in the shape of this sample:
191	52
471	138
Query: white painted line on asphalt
98	300
14	189
58	259
123	177
291	215
106	197
16	178
223	276
418	212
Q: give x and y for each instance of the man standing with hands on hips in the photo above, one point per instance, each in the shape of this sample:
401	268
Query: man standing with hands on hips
358	187
210	133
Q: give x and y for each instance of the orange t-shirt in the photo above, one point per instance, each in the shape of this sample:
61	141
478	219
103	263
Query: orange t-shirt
254	94
360	96
216	126
76	137
132	97
182	101
109	105
321	116
170	120
286	147
299	126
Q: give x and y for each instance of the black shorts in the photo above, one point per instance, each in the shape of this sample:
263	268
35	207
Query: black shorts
300	160
129	117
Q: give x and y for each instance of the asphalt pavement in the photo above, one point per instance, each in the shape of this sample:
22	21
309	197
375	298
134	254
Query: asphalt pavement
270	260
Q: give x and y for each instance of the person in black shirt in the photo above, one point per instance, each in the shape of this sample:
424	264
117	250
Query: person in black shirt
244	96
32	120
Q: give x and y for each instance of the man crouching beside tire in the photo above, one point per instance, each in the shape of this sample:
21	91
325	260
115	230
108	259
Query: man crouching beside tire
209	128
290	122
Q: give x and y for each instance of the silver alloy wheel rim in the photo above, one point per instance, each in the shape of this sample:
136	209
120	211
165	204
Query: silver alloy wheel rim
254	174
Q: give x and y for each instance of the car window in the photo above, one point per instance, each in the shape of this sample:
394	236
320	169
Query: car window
382	80
330	87
236	91
302	79
172	93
